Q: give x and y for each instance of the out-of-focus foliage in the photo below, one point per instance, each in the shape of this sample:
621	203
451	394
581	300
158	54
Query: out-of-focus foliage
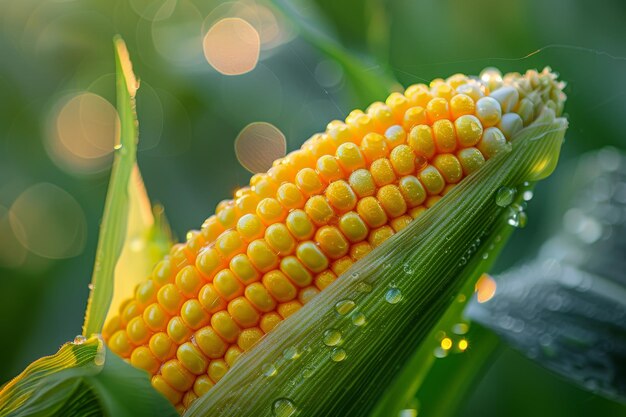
55	51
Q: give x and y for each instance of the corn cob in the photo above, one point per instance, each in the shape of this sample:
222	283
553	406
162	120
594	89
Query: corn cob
296	228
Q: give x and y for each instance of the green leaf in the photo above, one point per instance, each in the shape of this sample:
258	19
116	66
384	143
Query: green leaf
344	362
116	206
82	379
370	81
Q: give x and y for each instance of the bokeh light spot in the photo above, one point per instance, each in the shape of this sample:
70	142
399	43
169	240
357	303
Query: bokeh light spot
12	253
48	221
83	131
258	145
232	46
485	288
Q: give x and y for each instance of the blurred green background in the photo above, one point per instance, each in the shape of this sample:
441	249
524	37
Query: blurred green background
57	83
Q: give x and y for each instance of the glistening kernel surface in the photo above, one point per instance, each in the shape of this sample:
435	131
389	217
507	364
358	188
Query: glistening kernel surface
294	229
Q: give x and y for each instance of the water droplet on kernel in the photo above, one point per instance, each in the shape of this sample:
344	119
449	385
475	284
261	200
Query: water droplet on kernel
283	407
338	355
359	319
393	295
269	370
343	307
291	353
505	196
332	337
79	340
363	287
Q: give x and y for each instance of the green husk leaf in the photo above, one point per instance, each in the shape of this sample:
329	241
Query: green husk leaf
369	80
116	207
402	289
78	381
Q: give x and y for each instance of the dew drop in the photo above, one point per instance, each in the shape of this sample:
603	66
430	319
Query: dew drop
98	360
485	255
283	407
528	195
332	337
505	196
307	373
460	328
393	295
363	287
408	269
359	319
354	275
513	217
269	370
291	353
462	261
338	355
118	147
343	307
440	352
79	340
91	287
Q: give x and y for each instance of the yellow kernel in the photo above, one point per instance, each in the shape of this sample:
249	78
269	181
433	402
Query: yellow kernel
443	90
432	200
225	326
437	109
371	212
232	354
164	388
145	293
176	375
111	326
243	269
350	157
449	167
353	227
142	358
398	104
249	337
468	130
316	146
270	211
422	141
332	242
381	115
290	196
304	157
359	250
392	201
129	311
309	182
328	168
526	110
211	228
471	159
382	172
188	282
472	89
319	210
191	358
227	216
208	263
279	239
417	211
304	296
403	160
362	183
341	265
242	312
341	196
247	203
202	385
137	331
170	298
217	369
412	190
378	236
395	136
265	187
281	172
193	314
456	80
295	271
374	147
413	117
300	225
210	299
229	243
269	321
359	124
177	330
227	285
259	296
155	317
287	309
120	344
432	180
162	272
210	343
339	133
401	222
460	105
492	142
311	256
445	137
279	286
262	256
250	227
488	111
161	346
188	399
418	95
324	279
448	188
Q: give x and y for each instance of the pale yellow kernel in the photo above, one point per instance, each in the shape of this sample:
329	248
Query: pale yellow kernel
432	180
211	299
227	284
392	201
471	159
341	196
422	141
492	142
460	105
382	172
193	314
210	343
362	183
309	182
259	296
445	136
312	257
488	111
329	169
401	222
250	227
300	225
353	227
413	117
449	167
224	324
372	212
412	190
468	130
378	236
374	147
295	271
438	109
279	286
403	160
191	358
395	136
290	196
319	210
350	157
332	242
243	269
279	239
242	312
